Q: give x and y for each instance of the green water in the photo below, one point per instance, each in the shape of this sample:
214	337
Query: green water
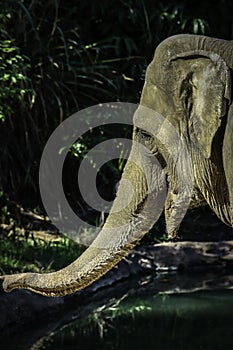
201	320
162	312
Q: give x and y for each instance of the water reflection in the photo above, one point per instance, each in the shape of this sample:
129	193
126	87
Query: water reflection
145	314
202	320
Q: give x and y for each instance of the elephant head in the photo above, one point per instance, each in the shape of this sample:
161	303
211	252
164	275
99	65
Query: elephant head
188	85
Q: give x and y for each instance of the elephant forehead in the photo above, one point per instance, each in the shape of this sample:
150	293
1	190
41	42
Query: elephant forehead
158	99
156	74
148	119
163	53
157	70
162	77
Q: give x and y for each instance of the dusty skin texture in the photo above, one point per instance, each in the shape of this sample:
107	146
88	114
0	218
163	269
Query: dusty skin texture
189	84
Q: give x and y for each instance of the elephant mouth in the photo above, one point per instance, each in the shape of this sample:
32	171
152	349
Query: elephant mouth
161	159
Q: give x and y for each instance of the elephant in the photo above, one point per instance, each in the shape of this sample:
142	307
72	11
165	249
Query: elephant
188	82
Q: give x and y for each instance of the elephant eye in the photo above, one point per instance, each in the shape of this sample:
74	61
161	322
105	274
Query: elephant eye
144	135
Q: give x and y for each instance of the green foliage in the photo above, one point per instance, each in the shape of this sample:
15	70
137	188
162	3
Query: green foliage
55	62
34	255
58	57
4	200
14	83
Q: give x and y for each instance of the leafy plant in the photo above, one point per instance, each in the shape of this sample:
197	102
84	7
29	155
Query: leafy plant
13	79
19	255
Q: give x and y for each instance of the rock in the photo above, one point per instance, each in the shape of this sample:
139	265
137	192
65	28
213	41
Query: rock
22	307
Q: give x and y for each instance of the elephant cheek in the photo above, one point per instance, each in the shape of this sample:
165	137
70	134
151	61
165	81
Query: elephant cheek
180	189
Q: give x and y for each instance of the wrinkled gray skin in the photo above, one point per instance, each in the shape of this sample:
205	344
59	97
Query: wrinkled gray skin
189	84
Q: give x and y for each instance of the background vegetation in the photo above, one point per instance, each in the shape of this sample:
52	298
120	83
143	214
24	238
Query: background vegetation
60	56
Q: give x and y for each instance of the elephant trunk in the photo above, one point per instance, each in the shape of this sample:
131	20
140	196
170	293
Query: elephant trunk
92	264
130	218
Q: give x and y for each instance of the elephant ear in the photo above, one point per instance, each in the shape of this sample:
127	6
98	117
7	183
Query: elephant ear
228	158
204	92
